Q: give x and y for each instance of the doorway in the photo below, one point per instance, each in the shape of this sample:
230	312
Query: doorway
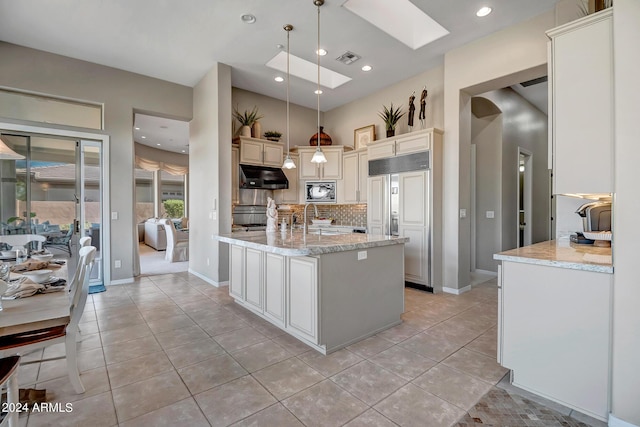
525	195
57	190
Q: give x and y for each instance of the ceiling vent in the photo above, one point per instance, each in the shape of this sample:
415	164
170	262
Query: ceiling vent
348	58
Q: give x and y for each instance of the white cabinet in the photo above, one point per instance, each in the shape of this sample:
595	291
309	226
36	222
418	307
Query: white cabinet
302	306
274	288
581	93
332	169
235	175
412	223
291	194
253	278
236	272
403	144
355	167
554	333
259	152
377	194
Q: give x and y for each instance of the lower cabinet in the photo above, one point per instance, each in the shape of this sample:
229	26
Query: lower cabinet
253	277
302	288
236	272
274	288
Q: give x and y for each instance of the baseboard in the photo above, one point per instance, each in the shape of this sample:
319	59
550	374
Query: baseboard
490	273
121	281
617	422
209	280
456	291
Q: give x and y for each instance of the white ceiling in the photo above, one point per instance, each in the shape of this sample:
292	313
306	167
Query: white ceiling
161	133
179	41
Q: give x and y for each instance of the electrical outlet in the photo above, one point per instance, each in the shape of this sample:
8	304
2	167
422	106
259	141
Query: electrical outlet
362	255
117	263
491	214
463	213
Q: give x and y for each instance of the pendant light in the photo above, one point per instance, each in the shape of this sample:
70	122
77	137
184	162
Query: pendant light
318	156
288	161
7	153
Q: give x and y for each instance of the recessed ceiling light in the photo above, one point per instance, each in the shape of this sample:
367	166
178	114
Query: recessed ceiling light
184	151
279	79
158	143
321	52
248	18
366	68
143	137
279	46
317	92
137	128
483	11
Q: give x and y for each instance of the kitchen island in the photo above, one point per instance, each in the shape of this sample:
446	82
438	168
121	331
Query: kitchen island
554	322
329	291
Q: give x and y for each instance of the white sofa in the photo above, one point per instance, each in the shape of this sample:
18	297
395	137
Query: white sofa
154	234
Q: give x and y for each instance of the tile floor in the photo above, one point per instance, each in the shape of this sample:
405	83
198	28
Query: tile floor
174	350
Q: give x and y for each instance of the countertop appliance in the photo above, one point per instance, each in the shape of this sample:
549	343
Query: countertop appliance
249	218
406	214
596	216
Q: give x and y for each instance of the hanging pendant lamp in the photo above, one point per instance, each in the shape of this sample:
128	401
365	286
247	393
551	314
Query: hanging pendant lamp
7	153
288	161
318	156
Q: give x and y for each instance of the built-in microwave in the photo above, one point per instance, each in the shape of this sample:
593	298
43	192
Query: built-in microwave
320	192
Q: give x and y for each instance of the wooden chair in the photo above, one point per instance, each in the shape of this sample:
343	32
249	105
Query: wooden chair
23	240
177	246
26	342
9	377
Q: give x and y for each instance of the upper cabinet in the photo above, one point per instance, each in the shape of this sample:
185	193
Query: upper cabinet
332	169
355	171
402	144
581	101
260	152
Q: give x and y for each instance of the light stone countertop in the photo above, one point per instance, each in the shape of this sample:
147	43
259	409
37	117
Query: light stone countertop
295	243
562	254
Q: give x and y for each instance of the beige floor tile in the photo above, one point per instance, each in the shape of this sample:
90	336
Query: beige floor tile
332	363
368	382
156	313
435	348
418	321
109	313
454	332
404	363
182	336
455	387
399	333
274	415
477	364
126	333
486	343
170	323
238	339
138	369
146	396
267	329
28	374
291	344
95	381
93	411
124	321
87	360
234	401
130	349
371	418
261	355
370	347
215	326
194	352
183	413
90	327
211	373
324	405
287	377
411	406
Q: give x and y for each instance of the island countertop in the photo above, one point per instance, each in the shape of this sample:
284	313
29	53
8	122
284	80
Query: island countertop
562	254
297	244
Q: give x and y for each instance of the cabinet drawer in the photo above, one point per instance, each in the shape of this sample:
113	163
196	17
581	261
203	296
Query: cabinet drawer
413	145
380	151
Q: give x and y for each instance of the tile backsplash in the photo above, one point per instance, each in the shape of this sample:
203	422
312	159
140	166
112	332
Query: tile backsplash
350	215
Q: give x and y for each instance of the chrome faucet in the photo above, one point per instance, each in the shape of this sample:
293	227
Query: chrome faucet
315	208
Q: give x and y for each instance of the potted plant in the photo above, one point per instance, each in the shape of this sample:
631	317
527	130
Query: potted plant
247	119
272	135
391	116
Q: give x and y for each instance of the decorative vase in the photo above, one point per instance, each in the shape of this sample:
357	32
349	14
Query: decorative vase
256	130
390	133
324	138
245	131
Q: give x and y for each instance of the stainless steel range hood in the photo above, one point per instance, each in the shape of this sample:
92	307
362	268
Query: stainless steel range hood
262	177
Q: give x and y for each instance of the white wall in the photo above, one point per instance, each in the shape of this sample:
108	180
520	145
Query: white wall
122	93
210	174
499	60
342	121
626	289
303	121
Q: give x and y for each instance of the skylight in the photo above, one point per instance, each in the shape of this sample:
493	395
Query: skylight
307	70
400	19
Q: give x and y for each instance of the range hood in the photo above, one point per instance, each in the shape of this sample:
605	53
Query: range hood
262	177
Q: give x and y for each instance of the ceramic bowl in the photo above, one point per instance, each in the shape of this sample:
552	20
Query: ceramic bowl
42	257
38	276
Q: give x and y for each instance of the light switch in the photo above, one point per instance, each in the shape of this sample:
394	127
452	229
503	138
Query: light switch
463	213
362	255
491	214
114	215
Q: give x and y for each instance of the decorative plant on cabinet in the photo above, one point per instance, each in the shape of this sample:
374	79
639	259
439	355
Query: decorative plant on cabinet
391	116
